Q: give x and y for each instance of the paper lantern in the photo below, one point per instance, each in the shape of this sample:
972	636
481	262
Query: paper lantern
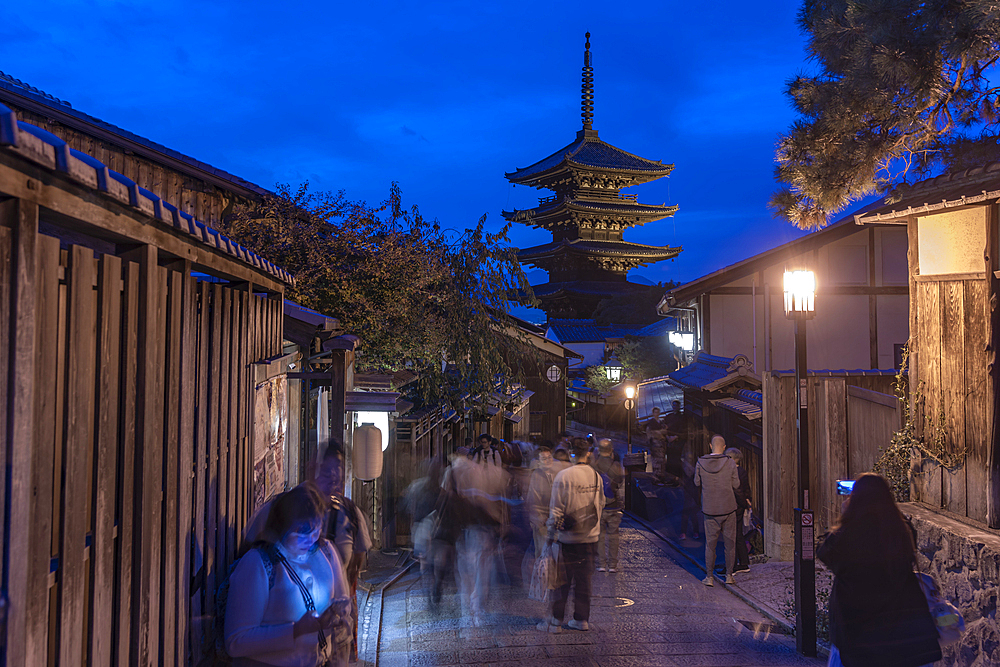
367	452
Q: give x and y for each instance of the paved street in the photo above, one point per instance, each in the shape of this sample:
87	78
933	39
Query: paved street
654	612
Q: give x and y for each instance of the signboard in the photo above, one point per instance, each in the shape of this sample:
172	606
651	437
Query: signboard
270	425
808	536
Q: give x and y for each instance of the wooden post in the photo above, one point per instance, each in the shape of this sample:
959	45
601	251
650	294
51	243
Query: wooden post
22	217
993	399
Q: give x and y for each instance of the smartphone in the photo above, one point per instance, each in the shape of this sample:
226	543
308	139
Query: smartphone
844	487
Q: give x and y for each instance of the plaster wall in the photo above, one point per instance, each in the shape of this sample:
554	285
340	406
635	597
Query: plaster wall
952	242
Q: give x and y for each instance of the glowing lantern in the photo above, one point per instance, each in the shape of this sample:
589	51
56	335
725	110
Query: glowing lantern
367	452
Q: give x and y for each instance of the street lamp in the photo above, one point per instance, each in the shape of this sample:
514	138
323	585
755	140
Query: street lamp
800	305
629	405
613	368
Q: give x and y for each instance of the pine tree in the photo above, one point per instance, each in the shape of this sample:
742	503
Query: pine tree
903	88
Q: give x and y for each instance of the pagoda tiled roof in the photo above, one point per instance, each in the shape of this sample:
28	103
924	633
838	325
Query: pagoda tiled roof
559	207
590	152
595	247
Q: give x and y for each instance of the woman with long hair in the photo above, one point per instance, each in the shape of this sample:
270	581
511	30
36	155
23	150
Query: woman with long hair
289	603
878	613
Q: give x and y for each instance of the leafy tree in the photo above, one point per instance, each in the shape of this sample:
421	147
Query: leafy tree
419	296
903	88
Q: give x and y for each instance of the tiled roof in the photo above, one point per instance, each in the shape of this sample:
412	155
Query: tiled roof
655	393
12	89
589	151
839	372
970	186
593	247
708	372
48	150
746	403
608	207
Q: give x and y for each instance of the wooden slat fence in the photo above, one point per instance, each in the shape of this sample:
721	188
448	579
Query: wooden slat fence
132	386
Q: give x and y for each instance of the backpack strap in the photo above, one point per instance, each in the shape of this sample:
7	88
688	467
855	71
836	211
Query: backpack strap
268	558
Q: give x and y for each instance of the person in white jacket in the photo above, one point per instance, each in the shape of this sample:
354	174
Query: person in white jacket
574	523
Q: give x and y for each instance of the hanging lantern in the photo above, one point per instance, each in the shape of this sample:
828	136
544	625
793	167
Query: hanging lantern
367	452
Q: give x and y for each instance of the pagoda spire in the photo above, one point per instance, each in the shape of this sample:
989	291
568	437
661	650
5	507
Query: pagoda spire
587	90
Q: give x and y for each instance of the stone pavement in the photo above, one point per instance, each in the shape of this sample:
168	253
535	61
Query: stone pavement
655	611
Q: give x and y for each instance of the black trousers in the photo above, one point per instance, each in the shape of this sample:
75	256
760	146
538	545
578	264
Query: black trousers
578	568
742	558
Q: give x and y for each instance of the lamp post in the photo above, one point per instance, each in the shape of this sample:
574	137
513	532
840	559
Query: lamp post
800	306
613	368
629	405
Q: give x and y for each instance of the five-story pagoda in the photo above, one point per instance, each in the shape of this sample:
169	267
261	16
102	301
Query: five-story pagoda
588	260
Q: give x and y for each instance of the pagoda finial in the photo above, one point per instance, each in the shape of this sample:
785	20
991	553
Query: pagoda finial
587	93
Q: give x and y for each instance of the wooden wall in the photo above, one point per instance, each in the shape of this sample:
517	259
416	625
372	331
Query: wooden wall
849	420
950	363
128	434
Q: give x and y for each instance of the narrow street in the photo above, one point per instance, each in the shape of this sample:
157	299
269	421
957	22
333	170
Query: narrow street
654	611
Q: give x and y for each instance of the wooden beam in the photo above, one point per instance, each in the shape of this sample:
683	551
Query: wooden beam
108	218
22	217
872	302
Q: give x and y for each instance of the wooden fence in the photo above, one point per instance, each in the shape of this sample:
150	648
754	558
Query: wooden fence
127	422
851	416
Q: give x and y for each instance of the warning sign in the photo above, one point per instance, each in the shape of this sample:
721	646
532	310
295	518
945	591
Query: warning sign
808	543
807	519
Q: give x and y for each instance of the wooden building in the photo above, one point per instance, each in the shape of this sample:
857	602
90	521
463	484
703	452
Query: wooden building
951	227
133	336
588	260
861	301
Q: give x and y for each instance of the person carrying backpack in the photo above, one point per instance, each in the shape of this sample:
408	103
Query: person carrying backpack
613	477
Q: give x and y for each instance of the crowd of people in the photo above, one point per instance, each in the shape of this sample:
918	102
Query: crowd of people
291	598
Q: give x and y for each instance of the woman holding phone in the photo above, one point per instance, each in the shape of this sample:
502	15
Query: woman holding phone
878	613
289	603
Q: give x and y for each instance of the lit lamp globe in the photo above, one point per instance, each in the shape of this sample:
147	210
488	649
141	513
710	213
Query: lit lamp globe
800	294
630	392
367	452
613	368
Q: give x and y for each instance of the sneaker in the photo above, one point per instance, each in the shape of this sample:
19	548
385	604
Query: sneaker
730	580
739	569
708	581
600	569
582	626
612	570
550	625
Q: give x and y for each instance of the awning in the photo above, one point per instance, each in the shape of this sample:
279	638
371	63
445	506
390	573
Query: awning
511	417
371	401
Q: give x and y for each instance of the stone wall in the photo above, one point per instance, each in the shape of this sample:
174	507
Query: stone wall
965	562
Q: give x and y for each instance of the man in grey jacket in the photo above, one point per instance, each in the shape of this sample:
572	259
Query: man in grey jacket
718	478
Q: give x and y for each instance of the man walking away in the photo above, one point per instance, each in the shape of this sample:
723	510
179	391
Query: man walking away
718	478
574	521
613	478
743	505
540	494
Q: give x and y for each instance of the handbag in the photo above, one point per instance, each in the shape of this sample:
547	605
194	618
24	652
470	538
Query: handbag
590	518
542	576
947	618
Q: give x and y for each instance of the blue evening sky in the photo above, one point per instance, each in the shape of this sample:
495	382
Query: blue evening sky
443	97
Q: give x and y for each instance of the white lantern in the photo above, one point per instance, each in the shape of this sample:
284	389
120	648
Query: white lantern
367	452
800	294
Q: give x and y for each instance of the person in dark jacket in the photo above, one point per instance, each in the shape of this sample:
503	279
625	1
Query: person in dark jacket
743	505
878	613
717	476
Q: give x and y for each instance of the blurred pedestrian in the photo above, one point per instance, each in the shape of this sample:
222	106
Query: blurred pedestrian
479	483
540	494
288	601
878	612
612	473
574	524
690	521
717	476
743	505
347	526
